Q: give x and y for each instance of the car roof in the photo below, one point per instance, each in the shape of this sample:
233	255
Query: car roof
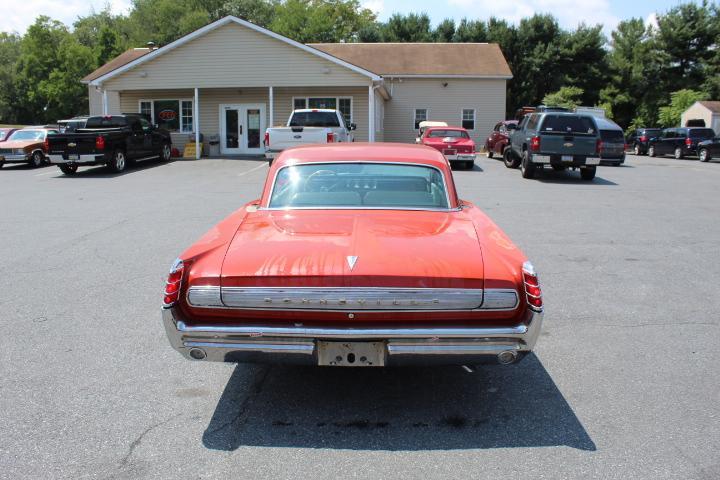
461	129
303	110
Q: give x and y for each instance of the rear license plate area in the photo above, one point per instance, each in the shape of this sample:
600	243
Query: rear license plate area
351	354
449	151
567	158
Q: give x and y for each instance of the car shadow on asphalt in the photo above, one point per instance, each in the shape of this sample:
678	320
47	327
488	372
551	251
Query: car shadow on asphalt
571	177
394	409
101	171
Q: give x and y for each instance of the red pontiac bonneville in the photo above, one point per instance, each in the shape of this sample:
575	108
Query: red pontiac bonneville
454	142
355	255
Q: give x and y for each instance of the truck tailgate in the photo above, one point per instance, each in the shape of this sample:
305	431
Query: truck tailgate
286	137
73	143
568	144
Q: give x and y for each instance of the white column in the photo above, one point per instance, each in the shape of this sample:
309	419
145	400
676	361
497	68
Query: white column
104	102
196	122
371	114
272	106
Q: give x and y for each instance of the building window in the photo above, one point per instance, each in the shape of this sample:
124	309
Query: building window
172	115
468	118
345	107
299	103
342	104
421	115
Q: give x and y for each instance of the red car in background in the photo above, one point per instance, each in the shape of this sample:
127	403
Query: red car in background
499	138
453	142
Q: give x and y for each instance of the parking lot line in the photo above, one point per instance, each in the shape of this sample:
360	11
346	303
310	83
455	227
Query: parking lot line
46	173
252	170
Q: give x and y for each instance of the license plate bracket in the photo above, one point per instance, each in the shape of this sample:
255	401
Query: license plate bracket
567	158
351	354
592	161
73	156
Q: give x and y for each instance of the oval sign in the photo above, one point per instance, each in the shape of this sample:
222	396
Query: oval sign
167	115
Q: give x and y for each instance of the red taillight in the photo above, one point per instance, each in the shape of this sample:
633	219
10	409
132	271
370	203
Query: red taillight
535	144
643	138
688	142
599	146
533	293
100	143
267	139
46	145
330	137
173	284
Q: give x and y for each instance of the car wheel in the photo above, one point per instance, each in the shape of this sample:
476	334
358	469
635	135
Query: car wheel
68	169
165	152
118	163
678	153
588	173
704	155
651	151
490	152
559	168
37	159
509	159
2	164
637	150
527	169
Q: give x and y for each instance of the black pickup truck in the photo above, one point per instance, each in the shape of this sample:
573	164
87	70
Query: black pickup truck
112	140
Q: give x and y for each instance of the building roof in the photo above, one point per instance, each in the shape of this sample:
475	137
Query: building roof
117	62
423	59
713	106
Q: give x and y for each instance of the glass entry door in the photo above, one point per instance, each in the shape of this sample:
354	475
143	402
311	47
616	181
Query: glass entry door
242	128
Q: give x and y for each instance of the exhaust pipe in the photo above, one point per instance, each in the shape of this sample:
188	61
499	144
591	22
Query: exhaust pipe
197	353
507	357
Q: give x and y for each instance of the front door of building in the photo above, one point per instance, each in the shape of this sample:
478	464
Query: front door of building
242	128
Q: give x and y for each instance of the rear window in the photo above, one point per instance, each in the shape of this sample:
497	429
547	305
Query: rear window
359	185
314	119
28	135
567	124
704	133
612	136
447	133
106	122
651	132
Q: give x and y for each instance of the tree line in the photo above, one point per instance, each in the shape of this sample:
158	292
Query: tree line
642	75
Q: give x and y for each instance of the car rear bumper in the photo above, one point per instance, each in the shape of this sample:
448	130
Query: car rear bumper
83	159
565	160
461	157
403	346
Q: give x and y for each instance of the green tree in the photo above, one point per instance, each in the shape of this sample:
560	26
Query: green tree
585	62
163	21
259	12
321	20
9	53
407	28
445	31
680	101
568	97
470	31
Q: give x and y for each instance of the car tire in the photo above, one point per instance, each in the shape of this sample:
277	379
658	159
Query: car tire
490	152
588	173
704	155
68	169
37	159
118	162
678	153
509	159
651	151
636	150
527	169
2	164
165	152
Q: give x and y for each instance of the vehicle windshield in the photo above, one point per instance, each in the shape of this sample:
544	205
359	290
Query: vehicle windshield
447	133
567	124
651	132
612	136
314	119
359	185
28	135
704	133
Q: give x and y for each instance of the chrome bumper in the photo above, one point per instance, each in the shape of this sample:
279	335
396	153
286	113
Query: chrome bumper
13	158
403	346
461	157
92	158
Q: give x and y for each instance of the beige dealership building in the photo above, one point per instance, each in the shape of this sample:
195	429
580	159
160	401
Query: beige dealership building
231	79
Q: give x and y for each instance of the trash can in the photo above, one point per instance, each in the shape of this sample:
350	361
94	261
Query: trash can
214	142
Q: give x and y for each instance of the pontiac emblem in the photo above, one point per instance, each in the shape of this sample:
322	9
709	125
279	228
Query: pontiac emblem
351	261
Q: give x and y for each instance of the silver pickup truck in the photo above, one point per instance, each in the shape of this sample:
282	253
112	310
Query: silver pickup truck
306	126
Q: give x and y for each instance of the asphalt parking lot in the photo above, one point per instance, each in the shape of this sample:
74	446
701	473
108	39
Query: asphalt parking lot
624	382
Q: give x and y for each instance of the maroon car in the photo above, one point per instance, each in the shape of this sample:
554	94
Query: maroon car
498	139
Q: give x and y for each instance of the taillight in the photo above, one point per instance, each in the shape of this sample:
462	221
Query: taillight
643	138
173	283
533	293
535	144
688	142
331	137
267	139
46	145
100	143
599	146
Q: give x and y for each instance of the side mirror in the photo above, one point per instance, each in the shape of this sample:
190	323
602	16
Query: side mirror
353	126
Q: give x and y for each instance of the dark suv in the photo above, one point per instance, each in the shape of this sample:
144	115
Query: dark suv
679	142
638	140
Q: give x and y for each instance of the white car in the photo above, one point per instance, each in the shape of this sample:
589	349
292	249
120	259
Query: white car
307	126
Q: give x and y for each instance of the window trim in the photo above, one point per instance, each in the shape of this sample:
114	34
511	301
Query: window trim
180	115
414	117
474	119
337	103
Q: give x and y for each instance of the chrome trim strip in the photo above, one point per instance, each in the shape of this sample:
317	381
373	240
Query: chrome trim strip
449	349
204	297
499	299
301	348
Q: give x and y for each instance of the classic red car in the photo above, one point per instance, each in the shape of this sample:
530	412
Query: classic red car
498	139
27	145
454	142
355	255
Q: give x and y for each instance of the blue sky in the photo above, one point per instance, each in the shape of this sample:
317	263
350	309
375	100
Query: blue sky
569	12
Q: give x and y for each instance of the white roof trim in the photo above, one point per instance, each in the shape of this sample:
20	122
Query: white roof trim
491	77
224	21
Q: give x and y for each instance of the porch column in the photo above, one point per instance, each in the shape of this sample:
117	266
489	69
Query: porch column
272	106
371	114
104	102
196	122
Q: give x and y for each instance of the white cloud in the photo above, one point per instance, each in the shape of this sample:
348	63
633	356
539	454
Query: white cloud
23	13
651	20
377	6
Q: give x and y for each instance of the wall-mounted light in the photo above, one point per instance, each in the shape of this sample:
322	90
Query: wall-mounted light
444	84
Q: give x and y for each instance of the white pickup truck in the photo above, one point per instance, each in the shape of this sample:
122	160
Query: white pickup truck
306	126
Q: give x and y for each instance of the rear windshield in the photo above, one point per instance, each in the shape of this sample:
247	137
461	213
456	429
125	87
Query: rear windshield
567	124
106	122
702	133
314	119
447	133
359	185
651	132
612	136
28	135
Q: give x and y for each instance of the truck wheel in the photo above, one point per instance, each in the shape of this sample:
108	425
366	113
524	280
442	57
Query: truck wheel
118	163
165	152
678	153
587	173
637	150
68	169
37	159
651	151
704	155
527	169
490	152
510	160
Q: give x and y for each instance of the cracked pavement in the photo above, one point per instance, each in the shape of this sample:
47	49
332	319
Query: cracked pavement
623	384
